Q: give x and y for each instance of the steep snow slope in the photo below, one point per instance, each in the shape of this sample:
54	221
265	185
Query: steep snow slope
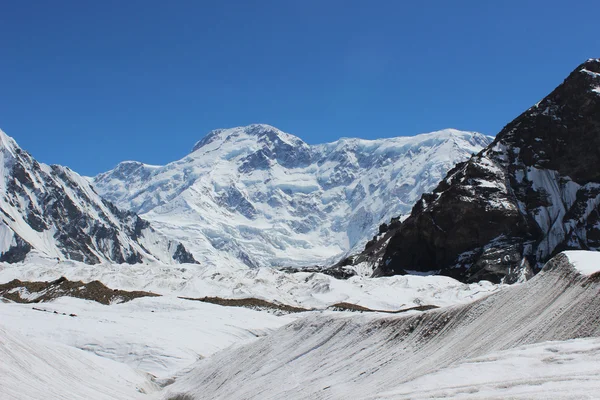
334	357
266	198
33	369
54	211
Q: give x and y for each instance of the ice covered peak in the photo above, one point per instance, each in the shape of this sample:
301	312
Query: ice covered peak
404	144
261	129
261	196
258	132
210	136
128	167
7	142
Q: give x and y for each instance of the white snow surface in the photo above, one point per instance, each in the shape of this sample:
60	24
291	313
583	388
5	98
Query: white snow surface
259	196
301	289
156	335
586	262
535	340
496	347
549	370
33	369
164	336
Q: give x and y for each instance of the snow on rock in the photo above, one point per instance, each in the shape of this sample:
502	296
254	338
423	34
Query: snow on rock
533	191
336	356
258	196
53	211
586	262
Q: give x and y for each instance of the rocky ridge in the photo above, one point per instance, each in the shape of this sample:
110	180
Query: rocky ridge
53	211
530	194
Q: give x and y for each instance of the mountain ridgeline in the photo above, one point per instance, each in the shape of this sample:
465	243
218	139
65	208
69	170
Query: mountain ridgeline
54	212
258	196
530	194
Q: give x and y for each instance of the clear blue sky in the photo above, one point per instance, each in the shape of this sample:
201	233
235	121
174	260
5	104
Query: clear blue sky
90	83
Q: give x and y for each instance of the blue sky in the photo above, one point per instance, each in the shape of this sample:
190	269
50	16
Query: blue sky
88	84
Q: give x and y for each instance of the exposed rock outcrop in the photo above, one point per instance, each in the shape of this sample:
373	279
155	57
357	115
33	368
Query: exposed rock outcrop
533	192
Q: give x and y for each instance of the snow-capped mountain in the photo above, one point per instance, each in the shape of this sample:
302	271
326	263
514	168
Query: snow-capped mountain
531	193
55	212
264	197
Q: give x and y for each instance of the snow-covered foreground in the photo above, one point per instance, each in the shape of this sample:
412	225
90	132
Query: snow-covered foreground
33	369
374	356
302	289
158	335
549	370
533	340
163	336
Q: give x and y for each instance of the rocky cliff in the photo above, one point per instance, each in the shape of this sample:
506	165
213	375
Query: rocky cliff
531	193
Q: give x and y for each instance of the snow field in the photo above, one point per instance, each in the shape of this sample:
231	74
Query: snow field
331	356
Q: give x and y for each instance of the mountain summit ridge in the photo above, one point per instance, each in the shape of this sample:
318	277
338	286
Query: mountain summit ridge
264	197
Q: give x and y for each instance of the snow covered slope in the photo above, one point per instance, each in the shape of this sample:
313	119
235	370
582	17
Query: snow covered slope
159	335
56	212
32	369
263	197
555	370
333	356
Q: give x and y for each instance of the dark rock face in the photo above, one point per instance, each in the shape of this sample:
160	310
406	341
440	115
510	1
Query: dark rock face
182	256
17	252
56	212
533	192
234	200
40	292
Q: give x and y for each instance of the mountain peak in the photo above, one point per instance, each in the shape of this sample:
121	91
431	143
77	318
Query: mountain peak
507	210
260	196
7	142
260	131
591	67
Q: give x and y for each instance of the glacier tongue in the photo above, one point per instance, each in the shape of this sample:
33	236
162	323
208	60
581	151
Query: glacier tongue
258	196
